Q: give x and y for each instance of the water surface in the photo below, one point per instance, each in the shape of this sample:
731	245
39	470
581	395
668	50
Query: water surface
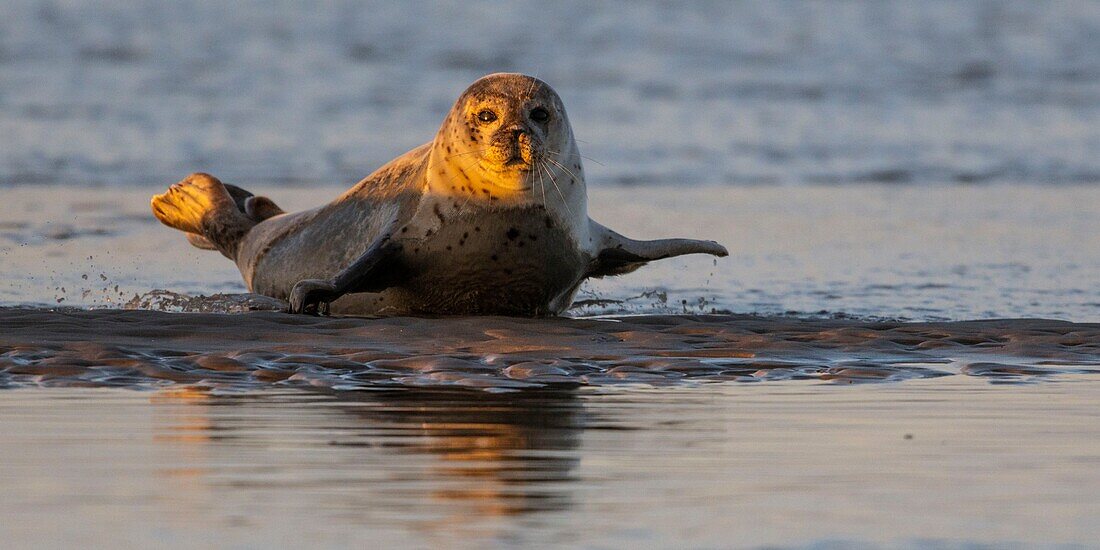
923	252
944	463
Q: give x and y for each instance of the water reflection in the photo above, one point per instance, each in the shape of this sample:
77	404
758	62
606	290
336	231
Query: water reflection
953	459
460	459
504	452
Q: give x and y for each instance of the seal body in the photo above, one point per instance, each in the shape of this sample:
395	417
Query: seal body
488	218
514	261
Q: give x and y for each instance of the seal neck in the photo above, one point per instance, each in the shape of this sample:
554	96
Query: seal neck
556	181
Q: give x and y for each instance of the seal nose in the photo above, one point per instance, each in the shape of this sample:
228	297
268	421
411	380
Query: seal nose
525	145
517	141
517	132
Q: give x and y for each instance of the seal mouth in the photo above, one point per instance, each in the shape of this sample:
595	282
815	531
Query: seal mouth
517	154
514	164
511	188
518	163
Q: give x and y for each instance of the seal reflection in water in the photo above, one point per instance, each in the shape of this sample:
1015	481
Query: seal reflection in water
460	458
490	217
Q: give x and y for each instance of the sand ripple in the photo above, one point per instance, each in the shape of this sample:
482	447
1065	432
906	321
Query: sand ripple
232	352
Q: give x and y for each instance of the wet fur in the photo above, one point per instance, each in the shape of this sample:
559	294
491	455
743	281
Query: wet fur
470	241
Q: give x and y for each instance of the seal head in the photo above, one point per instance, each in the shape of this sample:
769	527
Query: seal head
507	142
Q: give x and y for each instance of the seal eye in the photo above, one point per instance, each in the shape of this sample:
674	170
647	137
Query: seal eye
540	115
486	116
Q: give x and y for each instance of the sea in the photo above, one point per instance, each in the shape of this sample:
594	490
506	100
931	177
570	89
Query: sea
902	349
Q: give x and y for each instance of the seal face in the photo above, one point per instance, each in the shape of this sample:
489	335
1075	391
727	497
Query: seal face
488	218
507	142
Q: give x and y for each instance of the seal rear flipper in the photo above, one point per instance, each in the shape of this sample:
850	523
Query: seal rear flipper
202	205
619	255
377	269
261	208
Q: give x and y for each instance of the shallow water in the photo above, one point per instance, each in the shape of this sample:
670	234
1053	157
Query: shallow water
922	253
940	463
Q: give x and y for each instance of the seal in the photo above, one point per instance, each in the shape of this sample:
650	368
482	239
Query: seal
489	218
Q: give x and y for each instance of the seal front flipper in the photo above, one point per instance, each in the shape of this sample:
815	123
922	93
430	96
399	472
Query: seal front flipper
377	269
618	255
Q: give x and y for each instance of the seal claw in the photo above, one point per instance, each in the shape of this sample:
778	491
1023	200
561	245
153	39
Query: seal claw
312	296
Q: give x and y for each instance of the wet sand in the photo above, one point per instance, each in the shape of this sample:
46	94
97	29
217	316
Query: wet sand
147	349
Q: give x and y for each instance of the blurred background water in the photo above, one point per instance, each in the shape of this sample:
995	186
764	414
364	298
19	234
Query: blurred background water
755	92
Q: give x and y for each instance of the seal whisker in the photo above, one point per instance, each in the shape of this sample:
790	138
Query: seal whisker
449	157
558	189
586	157
531	85
562	166
453	183
542	183
592	159
469	195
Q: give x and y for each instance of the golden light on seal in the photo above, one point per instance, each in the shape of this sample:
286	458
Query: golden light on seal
490	217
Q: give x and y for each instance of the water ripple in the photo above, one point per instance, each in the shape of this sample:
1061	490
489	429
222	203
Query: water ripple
236	352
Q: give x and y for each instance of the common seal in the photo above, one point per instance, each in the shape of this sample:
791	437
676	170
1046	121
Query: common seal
490	217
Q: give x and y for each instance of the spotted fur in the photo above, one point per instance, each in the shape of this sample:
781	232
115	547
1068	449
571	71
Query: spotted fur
488	218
